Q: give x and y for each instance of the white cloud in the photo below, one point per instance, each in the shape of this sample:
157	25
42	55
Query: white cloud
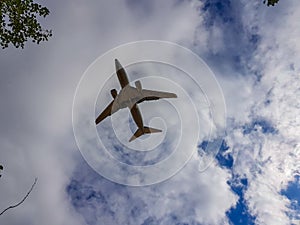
270	161
40	82
37	133
189	197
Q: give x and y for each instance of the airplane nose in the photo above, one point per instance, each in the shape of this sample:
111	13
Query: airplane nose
118	64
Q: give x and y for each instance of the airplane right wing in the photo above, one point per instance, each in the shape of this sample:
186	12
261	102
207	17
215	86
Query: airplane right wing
108	111
149	95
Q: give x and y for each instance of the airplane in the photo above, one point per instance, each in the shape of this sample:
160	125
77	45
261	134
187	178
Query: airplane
129	97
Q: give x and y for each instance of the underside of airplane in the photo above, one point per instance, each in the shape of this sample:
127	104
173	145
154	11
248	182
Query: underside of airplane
129	97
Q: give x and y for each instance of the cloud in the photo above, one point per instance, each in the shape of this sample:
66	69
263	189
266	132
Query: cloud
266	154
37	89
255	57
189	197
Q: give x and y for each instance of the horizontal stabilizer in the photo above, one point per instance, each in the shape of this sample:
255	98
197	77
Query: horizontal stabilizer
149	130
145	130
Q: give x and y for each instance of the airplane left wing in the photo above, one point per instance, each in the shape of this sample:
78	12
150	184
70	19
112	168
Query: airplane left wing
149	95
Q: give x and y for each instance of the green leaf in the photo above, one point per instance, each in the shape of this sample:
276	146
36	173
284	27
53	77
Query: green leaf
19	23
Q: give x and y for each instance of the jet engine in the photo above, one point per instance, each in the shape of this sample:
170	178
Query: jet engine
138	85
114	93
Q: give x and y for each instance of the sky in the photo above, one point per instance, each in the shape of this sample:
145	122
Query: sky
253	53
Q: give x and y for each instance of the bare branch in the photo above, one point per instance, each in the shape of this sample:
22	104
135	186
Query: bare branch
13	206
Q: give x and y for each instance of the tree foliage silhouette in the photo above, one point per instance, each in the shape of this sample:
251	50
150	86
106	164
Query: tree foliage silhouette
19	23
270	2
1	168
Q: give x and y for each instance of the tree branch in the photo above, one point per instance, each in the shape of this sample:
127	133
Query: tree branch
13	206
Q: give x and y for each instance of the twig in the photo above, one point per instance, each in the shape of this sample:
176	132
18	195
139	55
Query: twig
13	206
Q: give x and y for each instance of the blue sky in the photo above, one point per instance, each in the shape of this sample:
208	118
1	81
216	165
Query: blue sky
254	179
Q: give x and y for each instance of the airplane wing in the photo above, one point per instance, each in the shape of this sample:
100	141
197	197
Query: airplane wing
108	111
149	95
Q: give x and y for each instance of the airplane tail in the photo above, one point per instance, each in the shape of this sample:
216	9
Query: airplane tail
146	130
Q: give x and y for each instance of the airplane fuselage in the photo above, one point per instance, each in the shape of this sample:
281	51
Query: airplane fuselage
128	96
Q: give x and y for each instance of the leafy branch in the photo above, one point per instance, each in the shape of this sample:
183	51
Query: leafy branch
271	2
18	22
1	168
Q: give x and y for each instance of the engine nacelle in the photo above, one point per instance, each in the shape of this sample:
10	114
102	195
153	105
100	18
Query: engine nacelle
114	93
138	85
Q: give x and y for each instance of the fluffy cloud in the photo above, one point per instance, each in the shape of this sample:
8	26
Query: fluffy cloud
189	197
268	158
36	131
255	57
